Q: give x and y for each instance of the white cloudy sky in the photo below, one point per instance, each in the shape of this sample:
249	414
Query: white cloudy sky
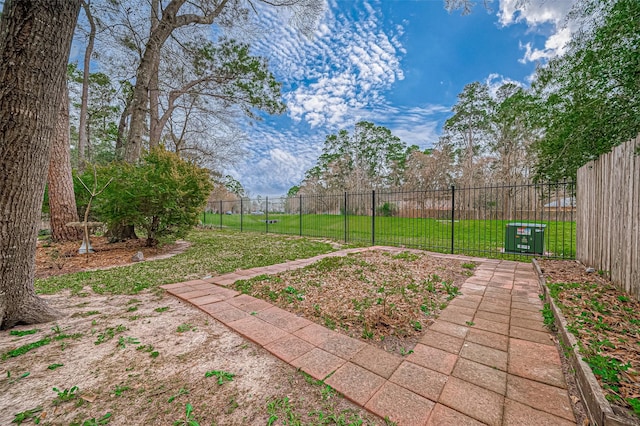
397	63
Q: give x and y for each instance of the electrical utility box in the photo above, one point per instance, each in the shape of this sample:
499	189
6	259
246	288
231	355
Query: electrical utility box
525	238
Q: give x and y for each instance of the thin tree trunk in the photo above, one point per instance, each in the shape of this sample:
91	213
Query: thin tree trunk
62	201
35	40
122	129
83	138
154	90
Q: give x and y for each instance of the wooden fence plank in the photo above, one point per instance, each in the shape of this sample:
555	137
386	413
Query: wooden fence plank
608	215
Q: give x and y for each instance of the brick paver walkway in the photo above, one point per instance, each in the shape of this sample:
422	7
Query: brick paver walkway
487	359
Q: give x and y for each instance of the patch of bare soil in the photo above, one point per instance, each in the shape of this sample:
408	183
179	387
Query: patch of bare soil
382	299
63	258
142	360
606	323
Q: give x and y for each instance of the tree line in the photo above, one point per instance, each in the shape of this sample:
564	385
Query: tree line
579	106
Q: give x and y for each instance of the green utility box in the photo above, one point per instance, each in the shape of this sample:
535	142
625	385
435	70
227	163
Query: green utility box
524	238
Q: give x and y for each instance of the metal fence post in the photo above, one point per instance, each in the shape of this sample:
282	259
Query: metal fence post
453	216
266	212
241	214
220	214
373	217
346	219
301	215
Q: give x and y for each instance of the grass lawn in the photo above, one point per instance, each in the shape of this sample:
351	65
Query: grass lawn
484	238
211	253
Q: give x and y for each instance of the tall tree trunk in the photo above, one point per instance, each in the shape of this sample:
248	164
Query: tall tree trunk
35	40
83	138
62	201
154	90
169	21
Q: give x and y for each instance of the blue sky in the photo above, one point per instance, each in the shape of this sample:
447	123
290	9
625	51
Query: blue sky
398	63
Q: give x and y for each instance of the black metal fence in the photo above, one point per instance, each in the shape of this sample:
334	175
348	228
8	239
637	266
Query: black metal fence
492	220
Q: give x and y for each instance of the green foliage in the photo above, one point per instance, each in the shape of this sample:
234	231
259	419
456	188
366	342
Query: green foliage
104	420
548	318
65	395
162	194
370	157
27	415
237	77
589	96
102	118
21	333
607	368
387	210
222	376
185	327
189	418
25	348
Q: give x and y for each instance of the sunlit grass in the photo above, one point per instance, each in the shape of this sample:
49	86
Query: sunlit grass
212	252
484	238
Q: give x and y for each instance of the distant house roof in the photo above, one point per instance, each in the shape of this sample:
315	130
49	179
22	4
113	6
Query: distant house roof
563	202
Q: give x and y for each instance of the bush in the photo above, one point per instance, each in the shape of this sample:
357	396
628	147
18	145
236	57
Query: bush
387	210
162	194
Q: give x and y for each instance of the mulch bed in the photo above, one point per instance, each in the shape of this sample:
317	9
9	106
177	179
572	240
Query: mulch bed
63	258
605	321
382	299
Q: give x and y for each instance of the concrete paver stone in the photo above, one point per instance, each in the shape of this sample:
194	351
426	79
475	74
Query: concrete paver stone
443	415
516	414
481	375
424	382
377	361
289	348
541	337
433	359
485	355
283	319
318	363
441	341
488	355
400	405
449	328
355	383
540	396
472	400
257	330
486	338
490	326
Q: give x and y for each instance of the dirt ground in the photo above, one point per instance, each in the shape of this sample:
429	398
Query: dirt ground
143	358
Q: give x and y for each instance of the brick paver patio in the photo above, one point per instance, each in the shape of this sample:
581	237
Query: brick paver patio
487	359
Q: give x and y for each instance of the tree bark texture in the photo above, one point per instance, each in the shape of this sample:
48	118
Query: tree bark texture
62	200
83	127
35	40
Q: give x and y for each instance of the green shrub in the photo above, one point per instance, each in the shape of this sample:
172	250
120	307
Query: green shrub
387	210
162	194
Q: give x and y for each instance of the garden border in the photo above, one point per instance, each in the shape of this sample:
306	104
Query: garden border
599	411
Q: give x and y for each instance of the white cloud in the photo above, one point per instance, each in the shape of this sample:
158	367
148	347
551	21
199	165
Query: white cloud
276	160
347	65
537	14
330	81
494	81
533	12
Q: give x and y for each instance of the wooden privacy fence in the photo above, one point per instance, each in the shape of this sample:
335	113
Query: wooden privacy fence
608	215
